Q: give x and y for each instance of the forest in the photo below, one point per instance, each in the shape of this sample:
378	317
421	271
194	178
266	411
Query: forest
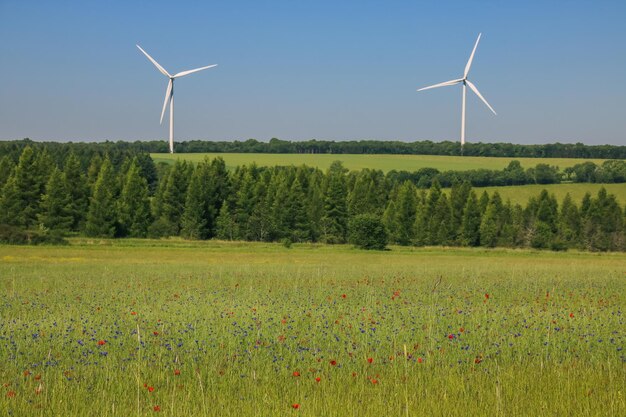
123	194
424	147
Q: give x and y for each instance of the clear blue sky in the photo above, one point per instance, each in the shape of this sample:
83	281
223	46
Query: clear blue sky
553	70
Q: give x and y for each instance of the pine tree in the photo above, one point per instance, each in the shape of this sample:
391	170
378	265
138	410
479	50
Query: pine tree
225	224
335	217
315	206
441	233
491	225
56	204
199	207
458	200
7	166
483	201
10	203
172	199
569	224
604	223
470	226
78	189
296	210
405	214
102	214
134	205
23	192
430	223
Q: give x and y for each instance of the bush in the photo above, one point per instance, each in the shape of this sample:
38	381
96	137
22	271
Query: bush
367	231
12	235
16	236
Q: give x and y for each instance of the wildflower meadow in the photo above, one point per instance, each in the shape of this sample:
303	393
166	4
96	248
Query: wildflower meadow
176	328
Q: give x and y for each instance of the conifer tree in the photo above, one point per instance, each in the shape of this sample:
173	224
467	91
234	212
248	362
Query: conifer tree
199	208
56	205
172	202
297	214
315	204
7	166
405	214
442	234
102	215
430	221
490	225
470	226
134	205
569	223
78	190
10	203
22	192
226	227
458	199
335	217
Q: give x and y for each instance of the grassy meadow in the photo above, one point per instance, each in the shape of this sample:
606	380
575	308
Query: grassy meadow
521	193
384	163
178	328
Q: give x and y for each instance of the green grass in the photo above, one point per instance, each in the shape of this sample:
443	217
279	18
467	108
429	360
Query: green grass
382	162
238	319
521	193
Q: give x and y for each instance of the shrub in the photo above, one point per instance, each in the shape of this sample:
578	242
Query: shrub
367	231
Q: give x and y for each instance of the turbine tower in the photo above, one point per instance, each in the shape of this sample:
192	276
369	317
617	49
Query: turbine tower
169	93
466	83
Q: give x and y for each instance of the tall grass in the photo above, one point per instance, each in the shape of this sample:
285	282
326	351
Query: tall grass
123	328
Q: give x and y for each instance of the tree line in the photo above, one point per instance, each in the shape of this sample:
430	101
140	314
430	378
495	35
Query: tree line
425	147
289	204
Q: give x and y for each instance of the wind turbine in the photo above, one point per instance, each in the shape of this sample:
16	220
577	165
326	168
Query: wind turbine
169	93
466	83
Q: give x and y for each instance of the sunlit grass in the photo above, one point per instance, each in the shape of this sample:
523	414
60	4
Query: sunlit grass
384	162
448	331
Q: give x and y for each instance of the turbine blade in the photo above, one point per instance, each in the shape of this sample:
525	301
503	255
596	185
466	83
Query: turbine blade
156	64
471	58
445	84
168	93
475	90
182	74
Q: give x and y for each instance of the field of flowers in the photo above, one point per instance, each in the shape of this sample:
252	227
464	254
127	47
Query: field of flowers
143	328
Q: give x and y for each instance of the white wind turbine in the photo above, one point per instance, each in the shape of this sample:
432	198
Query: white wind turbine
466	83
169	93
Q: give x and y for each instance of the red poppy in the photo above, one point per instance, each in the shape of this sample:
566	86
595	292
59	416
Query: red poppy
370	360
26	372
11	394
461	330
420	360
150	388
354	374
133	313
478	360
296	373
155	333
38	377
295	406
571	315
176	372
333	362
157	408
487	296
450	336
318	379
374	381
343	296
101	342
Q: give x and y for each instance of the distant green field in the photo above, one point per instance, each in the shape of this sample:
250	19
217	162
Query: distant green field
382	162
521	193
